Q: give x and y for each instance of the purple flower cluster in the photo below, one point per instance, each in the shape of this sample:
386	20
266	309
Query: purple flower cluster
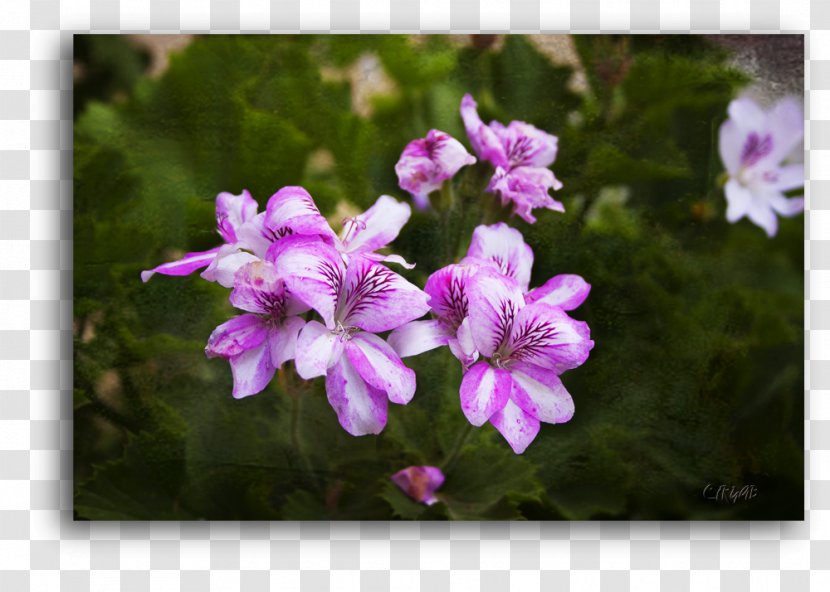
287	261
513	344
323	299
520	153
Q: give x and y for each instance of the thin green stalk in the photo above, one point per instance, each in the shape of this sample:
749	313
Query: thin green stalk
452	458
288	384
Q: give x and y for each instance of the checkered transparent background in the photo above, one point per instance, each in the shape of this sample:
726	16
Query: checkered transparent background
42	549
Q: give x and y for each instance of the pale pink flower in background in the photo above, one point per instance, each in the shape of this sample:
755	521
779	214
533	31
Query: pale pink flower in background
521	155
427	162
753	146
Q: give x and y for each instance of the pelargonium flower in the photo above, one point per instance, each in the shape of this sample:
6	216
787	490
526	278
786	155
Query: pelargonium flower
292	211
753	144
497	246
420	483
232	213
427	162
524	348
356	301
521	154
258	343
498	253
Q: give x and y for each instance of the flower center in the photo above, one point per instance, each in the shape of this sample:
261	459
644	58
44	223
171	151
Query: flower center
500	360
755	148
273	307
344	332
519	151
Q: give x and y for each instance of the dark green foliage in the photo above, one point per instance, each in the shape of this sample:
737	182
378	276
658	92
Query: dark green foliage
106	67
697	373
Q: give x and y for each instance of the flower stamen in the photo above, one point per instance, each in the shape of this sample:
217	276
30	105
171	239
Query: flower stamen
344	332
351	226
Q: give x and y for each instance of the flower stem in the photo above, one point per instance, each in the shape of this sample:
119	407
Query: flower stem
288	385
452	457
447	199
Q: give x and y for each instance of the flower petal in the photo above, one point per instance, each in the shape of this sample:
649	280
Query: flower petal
379	365
258	288
252	371
376	227
731	140
236	336
787	177
786	123
224	266
427	162
484	140
567	291
317	350
283	340
254	236
448	153
375	298
527	188
484	391
761	213
518	427
389	259
291	210
506	247
416	337
312	270
545	336
747	115
462	345
417	175
419	483
232	211
540	393
786	206
447	290
184	266
361	408
528	146
738	200
494	301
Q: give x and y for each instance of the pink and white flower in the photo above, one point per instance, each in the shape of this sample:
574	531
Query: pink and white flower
521	154
537	341
258	343
420	483
753	146
356	301
427	162
497	246
524	348
233	212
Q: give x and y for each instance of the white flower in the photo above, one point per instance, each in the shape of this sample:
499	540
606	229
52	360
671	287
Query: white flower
753	144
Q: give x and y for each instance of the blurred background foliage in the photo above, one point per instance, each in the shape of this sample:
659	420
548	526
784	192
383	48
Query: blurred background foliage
697	373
